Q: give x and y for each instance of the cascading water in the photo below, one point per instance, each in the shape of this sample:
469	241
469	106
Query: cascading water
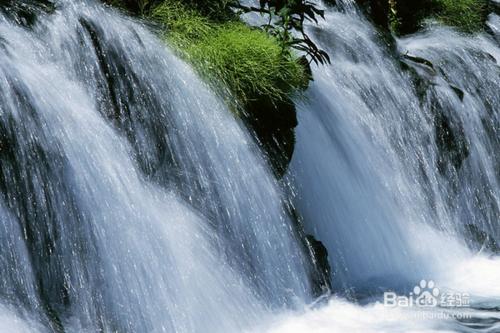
376	163
131	200
396	169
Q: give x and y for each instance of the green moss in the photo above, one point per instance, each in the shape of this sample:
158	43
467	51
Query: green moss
230	54
394	20
467	15
406	16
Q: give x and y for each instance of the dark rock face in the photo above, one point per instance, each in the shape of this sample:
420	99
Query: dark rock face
321	278
410	14
317	254
377	10
274	126
494	6
123	97
273	123
450	140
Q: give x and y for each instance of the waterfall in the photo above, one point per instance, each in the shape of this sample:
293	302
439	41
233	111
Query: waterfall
396	171
131	199
396	157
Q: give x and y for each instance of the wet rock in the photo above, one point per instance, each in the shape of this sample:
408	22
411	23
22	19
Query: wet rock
422	71
459	92
481	240
377	11
451	142
410	14
330	2
450	137
407	14
319	253
494	6
274	126
418	60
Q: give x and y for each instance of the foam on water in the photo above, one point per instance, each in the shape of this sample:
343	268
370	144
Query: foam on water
477	277
14	323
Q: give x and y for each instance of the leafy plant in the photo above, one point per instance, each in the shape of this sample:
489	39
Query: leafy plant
248	61
286	18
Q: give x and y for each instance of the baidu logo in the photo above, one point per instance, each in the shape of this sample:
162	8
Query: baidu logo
426	295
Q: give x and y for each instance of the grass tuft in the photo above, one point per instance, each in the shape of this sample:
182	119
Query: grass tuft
247	61
467	15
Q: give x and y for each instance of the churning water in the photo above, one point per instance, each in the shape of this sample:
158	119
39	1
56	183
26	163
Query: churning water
132	201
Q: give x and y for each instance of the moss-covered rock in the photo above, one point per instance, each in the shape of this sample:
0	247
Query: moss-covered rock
253	71
407	16
247	61
247	66
467	15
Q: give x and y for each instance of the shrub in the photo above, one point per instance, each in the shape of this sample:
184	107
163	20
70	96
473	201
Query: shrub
247	61
286	22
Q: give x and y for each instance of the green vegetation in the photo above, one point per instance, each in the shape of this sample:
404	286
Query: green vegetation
286	22
467	15
249	62
394	20
257	69
406	16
